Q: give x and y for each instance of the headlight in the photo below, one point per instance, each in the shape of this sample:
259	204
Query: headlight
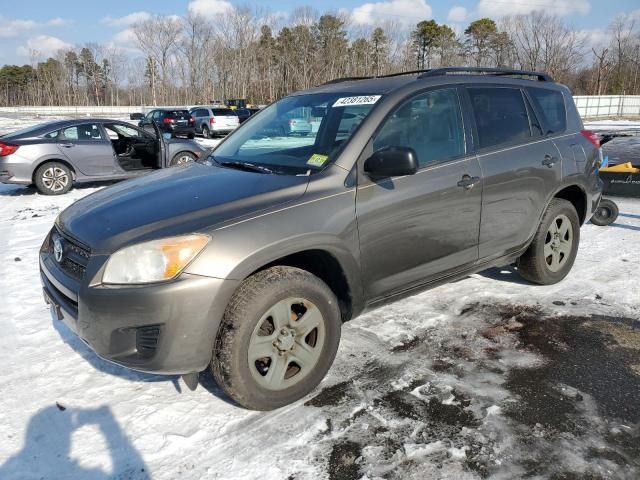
153	261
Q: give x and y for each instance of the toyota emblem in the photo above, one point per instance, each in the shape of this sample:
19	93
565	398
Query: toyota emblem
57	250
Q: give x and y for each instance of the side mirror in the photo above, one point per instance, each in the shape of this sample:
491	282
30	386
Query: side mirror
392	162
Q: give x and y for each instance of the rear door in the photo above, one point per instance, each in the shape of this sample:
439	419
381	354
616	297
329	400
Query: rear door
86	146
520	167
549	105
181	118
425	226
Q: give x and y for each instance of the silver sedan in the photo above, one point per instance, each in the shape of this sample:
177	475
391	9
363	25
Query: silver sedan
54	155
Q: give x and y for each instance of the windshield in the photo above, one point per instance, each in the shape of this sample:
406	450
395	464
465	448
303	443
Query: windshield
297	134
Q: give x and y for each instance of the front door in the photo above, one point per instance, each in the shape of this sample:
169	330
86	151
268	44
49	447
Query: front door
418	228
87	148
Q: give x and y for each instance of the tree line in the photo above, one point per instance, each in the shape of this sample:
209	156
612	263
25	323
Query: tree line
241	54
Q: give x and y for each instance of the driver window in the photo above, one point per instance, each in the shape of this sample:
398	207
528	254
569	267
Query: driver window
430	123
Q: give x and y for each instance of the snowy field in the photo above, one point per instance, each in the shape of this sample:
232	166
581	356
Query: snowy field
488	377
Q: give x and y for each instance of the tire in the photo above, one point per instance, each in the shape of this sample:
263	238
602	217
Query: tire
191	136
250	322
183	158
206	133
553	250
606	213
53	178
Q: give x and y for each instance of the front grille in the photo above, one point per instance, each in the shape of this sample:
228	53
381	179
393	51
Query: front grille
147	339
75	256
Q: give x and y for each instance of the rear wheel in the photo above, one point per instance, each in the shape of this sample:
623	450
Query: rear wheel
606	214
278	338
553	250
206	133
53	178
183	158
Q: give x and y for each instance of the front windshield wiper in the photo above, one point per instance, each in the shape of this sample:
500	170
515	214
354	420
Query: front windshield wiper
250	167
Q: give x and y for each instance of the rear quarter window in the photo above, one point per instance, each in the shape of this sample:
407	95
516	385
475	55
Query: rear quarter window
550	105
500	114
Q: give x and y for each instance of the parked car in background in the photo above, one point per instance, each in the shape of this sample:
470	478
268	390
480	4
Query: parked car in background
212	121
54	155
178	123
245	113
250	261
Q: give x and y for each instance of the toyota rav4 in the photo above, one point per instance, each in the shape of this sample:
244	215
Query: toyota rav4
250	261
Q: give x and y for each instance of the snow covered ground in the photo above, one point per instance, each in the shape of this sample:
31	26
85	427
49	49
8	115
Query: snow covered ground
485	377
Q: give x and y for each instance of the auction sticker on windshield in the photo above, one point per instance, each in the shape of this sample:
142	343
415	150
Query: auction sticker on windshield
362	100
317	160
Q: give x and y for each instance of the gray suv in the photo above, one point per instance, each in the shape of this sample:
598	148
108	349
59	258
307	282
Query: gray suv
250	261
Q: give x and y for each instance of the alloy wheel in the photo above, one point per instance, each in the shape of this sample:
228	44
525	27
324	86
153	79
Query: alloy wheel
55	179
286	343
558	243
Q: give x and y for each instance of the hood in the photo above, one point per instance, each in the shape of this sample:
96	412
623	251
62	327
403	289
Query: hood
174	201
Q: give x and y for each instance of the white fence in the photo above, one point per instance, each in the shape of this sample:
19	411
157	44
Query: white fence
589	106
608	106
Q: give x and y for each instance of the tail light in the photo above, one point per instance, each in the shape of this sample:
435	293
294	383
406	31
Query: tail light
192	120
212	120
7	149
167	121
592	137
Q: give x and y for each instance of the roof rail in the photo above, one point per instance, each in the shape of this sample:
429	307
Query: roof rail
541	77
397	74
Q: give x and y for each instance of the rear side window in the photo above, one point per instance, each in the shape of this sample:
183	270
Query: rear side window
550	104
430	123
82	132
500	114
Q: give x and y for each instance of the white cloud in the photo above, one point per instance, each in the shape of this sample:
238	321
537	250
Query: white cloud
14	28
210	8
457	14
18	27
594	38
59	22
127	20
492	8
125	37
405	12
44	45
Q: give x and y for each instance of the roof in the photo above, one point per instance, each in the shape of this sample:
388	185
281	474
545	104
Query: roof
451	75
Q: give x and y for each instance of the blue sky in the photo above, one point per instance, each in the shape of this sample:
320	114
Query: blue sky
46	26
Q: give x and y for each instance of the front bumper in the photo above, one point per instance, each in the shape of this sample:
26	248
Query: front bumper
166	328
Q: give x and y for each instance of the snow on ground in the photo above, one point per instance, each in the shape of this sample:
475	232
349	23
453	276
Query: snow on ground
485	377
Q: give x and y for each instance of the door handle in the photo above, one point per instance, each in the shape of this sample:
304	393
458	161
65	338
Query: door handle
467	182
67	145
549	161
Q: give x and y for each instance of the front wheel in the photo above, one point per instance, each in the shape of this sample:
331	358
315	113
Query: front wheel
606	214
553	250
278	338
183	158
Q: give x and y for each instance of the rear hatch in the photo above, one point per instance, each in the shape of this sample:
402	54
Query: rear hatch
181	118
225	117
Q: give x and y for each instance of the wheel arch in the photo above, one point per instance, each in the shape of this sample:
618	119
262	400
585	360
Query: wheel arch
333	265
577	197
68	164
